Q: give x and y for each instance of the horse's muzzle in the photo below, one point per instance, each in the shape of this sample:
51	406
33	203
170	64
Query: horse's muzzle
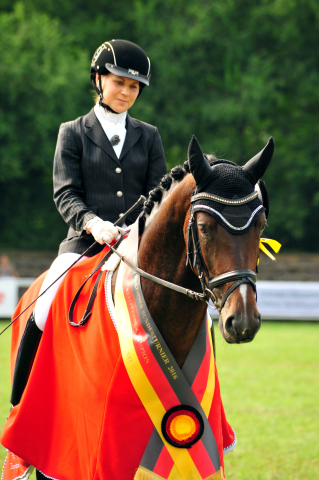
238	328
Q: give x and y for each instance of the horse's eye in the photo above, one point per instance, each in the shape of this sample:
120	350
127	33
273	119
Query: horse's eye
262	228
203	229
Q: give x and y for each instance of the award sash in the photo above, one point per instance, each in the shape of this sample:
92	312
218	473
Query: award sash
178	401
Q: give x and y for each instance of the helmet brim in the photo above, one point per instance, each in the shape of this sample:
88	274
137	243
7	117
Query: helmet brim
122	72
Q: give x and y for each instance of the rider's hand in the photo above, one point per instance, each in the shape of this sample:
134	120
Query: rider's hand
102	231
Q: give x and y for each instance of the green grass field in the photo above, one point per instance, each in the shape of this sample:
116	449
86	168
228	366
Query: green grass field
270	390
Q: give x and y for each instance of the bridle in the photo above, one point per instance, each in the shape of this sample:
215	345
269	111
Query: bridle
238	276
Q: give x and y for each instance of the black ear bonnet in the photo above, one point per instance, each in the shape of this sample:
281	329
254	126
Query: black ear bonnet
230	193
264	195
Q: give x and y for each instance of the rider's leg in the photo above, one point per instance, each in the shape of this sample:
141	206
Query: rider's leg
36	323
43	304
26	352
40	476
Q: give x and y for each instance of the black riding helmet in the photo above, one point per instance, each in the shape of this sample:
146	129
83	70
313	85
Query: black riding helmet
121	58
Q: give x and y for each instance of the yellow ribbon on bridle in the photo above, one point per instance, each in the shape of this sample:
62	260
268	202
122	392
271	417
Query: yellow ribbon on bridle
272	243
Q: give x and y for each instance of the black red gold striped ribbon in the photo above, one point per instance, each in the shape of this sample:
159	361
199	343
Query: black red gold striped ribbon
178	401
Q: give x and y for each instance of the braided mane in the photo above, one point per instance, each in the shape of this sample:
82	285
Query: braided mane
169	182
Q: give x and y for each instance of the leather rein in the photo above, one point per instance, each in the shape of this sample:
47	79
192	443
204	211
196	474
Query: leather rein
238	276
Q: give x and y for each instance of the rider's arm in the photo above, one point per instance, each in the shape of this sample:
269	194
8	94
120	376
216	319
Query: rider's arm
67	179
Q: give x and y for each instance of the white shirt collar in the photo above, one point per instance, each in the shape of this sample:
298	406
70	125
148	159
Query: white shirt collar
104	116
113	124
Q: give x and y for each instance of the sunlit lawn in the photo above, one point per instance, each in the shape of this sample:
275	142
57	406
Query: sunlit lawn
270	390
5	339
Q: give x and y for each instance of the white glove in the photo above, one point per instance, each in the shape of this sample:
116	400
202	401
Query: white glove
102	231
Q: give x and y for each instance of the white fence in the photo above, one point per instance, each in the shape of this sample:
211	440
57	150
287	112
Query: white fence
286	300
11	289
276	300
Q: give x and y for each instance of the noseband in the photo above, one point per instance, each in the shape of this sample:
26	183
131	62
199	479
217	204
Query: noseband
238	276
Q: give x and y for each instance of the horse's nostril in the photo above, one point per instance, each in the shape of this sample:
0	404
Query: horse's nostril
229	327
241	330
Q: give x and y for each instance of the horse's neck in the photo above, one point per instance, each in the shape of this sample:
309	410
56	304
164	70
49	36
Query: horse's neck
162	253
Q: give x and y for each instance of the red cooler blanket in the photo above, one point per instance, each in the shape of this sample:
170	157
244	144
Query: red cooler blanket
79	416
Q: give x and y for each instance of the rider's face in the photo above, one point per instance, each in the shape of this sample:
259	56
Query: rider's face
119	93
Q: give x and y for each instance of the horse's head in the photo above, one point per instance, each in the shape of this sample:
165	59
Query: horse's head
228	213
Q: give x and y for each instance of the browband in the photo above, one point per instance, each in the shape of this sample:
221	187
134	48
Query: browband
210	196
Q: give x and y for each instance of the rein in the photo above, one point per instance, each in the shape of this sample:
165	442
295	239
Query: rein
117	222
240	277
190	293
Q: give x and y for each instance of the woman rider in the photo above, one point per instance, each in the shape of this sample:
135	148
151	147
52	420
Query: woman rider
103	162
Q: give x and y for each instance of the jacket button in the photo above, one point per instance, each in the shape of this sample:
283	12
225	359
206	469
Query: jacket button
119	193
121	215
118	170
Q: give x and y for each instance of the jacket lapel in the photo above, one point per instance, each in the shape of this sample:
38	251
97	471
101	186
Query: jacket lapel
133	133
94	131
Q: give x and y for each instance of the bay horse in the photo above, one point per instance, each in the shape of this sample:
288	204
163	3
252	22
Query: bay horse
221	247
200	233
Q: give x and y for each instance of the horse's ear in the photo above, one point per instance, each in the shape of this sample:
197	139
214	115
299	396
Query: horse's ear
257	165
199	165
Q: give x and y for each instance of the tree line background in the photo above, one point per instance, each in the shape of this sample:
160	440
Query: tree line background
232	72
